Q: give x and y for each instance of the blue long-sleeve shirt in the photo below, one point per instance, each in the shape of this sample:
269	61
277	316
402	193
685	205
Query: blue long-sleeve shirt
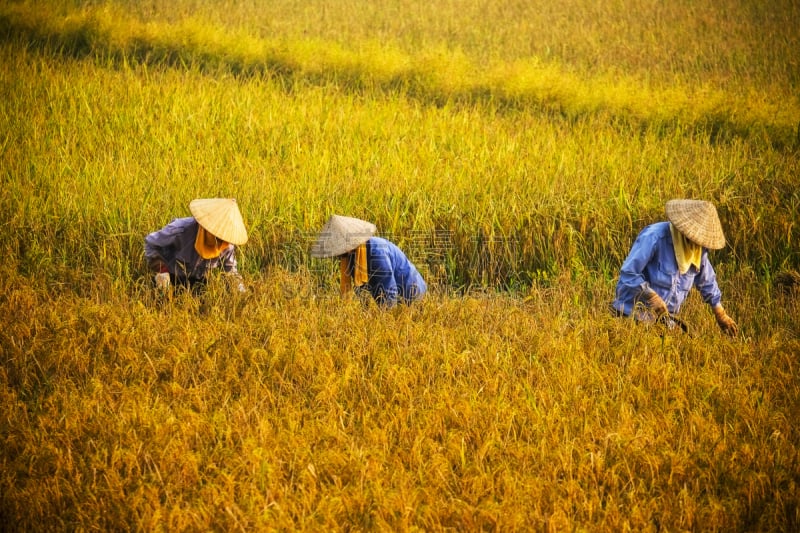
651	264
392	277
174	246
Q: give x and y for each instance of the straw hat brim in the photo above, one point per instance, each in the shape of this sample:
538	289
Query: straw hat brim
221	218
698	221
340	235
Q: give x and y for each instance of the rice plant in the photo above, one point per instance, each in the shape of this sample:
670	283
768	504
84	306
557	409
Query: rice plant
512	150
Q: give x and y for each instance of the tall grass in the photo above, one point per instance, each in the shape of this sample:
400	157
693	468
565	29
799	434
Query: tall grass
739	45
540	194
432	73
470	413
520	169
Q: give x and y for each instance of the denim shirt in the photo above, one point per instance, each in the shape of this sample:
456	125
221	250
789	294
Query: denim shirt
392	276
174	245
651	264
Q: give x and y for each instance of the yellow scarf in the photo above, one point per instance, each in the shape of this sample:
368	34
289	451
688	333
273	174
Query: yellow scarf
360	274
207	245
687	253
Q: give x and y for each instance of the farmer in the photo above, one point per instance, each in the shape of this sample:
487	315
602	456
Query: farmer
667	260
184	251
369	263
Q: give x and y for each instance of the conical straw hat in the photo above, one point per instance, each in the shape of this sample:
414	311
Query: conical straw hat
340	235
698	221
221	218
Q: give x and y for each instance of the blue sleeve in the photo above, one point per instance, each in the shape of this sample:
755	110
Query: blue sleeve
157	242
706	282
381	277
632	270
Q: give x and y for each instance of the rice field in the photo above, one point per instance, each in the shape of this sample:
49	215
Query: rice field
513	150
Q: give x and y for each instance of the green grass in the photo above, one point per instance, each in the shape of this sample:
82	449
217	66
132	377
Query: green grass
514	179
440	73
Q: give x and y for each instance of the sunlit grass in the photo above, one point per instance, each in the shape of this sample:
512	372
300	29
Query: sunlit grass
509	399
284	411
528	187
440	74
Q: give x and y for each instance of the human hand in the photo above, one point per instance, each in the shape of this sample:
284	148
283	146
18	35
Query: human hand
725	322
162	281
655	303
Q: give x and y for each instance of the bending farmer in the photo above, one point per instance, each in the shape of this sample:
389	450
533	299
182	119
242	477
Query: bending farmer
369	263
185	250
668	259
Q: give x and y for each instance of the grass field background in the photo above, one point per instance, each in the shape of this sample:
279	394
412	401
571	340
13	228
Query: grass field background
513	152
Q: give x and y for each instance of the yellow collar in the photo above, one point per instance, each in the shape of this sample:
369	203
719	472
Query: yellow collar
687	253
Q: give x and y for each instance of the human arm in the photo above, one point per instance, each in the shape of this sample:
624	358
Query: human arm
161	246
229	266
706	283
634	283
158	246
382	283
